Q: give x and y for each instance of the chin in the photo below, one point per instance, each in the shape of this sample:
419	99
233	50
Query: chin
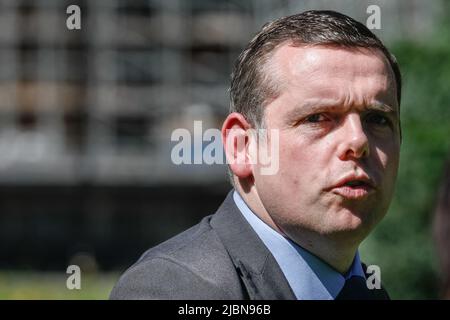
348	222
351	235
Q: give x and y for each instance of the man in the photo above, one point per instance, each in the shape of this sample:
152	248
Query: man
327	91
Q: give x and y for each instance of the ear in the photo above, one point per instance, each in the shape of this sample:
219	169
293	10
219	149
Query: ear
236	141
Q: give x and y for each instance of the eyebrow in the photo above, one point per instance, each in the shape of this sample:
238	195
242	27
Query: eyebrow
383	107
313	106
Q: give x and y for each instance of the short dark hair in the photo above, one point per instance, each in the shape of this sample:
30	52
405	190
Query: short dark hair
251	87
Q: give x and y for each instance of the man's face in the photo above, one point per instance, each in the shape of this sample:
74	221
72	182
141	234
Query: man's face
339	141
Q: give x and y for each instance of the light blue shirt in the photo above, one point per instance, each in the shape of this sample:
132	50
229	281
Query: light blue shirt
309	277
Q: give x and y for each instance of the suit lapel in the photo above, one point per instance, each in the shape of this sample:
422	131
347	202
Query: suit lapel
258	269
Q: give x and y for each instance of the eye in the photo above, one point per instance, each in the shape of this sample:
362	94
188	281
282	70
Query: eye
378	119
314	118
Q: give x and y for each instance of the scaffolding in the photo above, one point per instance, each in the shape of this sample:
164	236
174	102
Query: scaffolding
98	105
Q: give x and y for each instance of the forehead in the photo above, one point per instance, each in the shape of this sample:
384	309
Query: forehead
359	74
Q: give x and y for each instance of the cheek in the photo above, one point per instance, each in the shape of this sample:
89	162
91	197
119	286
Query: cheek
383	159
388	161
302	163
388	158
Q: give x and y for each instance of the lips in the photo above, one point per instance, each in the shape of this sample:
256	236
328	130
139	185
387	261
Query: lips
354	186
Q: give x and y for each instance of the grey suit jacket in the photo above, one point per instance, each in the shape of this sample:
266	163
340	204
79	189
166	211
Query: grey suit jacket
219	258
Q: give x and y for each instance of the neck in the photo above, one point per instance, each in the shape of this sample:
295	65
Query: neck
338	253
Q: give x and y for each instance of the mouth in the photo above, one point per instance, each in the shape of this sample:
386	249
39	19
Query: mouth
354	187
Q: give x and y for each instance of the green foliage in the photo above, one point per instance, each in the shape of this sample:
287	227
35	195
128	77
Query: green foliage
402	245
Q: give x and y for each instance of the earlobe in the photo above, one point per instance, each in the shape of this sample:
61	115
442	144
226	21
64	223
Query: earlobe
235	142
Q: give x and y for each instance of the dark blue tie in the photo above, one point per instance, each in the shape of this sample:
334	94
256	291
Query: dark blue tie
356	288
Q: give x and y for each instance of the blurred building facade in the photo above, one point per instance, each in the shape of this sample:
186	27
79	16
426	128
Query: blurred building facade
86	116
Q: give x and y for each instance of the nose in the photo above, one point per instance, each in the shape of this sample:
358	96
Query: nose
354	143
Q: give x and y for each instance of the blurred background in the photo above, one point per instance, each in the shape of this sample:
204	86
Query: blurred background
86	118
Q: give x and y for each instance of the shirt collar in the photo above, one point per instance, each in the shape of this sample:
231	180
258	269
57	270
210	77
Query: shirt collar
309	277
